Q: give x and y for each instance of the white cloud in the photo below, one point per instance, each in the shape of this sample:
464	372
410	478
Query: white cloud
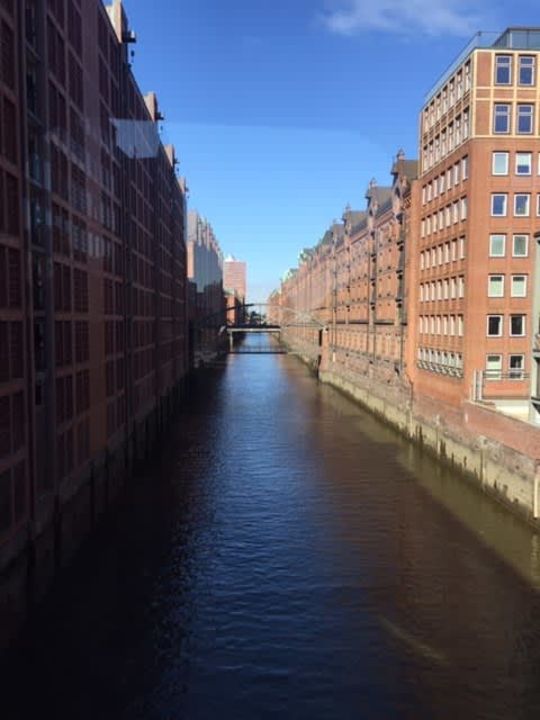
433	17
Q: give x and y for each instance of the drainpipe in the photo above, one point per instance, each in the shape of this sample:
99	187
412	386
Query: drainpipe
536	499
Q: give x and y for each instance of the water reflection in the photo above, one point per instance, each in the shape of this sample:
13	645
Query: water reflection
289	556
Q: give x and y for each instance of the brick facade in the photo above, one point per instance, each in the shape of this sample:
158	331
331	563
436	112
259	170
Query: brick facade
93	307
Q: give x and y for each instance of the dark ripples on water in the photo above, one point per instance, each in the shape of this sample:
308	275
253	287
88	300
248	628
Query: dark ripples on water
289	557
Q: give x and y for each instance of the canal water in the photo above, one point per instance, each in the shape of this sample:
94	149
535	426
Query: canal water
288	556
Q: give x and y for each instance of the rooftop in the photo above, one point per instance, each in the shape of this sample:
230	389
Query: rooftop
513	38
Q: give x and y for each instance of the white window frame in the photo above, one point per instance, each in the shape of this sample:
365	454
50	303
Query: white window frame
513	279
516	373
523	174
505	209
520	235
501	325
493	373
490	292
491	238
499	155
508	116
531	115
528	198
524	332
533	65
507	63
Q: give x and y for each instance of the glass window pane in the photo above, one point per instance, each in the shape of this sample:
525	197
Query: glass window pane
498	204
526	70
525	119
523	163
516	365
503	69
493	367
494	325
500	163
496	285
517	325
501	120
519	245
519	286
496	245
522	204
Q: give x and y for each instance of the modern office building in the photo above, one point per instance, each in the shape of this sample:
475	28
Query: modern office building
479	195
93	341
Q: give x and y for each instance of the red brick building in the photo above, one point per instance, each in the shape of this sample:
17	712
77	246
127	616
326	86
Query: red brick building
354	282
93	336
235	277
479	197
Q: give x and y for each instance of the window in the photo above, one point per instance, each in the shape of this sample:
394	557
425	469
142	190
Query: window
498	204
538	205
520	245
466	127
500	163
519	286
497	245
501	118
503	69
517	325
463	208
494	325
522	202
526	70
525	119
493	367
516	366
523	163
465	167
496	286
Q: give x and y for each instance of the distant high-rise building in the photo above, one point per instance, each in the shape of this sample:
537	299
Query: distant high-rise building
234	277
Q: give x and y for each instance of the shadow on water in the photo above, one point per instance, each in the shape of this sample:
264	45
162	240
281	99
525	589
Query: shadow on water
286	555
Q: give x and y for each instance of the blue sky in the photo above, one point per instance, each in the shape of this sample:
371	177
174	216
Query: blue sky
283	110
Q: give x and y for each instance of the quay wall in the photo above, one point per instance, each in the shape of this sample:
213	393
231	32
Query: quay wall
498	452
38	553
